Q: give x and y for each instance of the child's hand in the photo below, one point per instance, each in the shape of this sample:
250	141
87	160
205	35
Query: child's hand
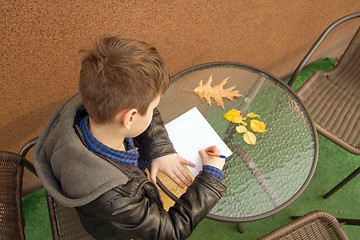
171	166
211	160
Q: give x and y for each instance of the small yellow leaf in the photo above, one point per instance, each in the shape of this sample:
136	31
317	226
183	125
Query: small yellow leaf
257	126
252	115
233	116
241	129
237	119
243	123
249	138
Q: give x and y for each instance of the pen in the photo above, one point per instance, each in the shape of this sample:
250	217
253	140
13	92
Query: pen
215	155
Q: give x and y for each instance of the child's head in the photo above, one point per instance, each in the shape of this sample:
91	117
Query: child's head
120	73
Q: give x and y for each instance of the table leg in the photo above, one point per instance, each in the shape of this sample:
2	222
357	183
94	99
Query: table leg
347	221
240	227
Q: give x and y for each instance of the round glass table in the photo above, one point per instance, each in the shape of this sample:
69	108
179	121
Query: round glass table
264	178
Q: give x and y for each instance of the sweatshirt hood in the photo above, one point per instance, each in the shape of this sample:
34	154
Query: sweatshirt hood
69	172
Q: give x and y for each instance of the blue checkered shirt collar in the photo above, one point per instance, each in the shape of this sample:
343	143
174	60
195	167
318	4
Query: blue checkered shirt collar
130	156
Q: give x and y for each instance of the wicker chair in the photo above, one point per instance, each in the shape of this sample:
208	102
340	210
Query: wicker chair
333	98
314	225
65	223
11	173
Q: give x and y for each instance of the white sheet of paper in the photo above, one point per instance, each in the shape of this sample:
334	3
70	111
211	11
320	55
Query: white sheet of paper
190	133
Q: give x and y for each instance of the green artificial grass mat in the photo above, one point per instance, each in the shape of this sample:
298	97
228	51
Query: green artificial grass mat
324	65
36	215
334	164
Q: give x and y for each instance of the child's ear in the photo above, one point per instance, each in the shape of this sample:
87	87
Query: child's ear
126	117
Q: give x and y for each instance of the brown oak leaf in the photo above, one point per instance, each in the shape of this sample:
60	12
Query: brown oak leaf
217	92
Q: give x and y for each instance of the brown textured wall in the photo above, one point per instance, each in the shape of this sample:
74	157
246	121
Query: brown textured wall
40	42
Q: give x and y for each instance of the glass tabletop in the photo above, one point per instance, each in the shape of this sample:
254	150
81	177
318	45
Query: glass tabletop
264	178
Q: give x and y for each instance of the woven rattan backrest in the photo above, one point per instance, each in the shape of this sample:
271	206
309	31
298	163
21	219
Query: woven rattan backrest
65	223
314	225
333	99
11	172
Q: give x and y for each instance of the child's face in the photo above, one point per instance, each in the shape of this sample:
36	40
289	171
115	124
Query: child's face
141	123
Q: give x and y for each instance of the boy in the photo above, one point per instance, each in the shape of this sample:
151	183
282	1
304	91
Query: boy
93	150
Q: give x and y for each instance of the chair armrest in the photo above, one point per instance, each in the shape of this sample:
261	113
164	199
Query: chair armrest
24	150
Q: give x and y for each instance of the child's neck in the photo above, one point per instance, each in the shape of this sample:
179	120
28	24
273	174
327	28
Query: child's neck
108	134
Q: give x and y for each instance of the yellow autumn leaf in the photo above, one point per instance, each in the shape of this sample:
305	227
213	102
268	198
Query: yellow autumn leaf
237	119
233	116
216	92
257	126
241	129
249	138
252	115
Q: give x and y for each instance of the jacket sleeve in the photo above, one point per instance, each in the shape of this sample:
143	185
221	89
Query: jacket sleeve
154	142
139	217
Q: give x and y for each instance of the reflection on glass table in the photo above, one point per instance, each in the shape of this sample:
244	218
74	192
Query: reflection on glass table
264	178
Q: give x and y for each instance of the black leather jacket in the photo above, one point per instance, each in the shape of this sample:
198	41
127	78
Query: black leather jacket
134	209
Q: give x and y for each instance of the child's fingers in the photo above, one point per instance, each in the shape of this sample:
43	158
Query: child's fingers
185	175
213	149
202	154
186	162
153	173
175	178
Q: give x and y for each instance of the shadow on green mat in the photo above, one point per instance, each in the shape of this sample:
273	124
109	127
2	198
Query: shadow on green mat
334	164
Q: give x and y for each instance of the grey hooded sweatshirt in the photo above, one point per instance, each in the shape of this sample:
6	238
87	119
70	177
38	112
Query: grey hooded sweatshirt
71	174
